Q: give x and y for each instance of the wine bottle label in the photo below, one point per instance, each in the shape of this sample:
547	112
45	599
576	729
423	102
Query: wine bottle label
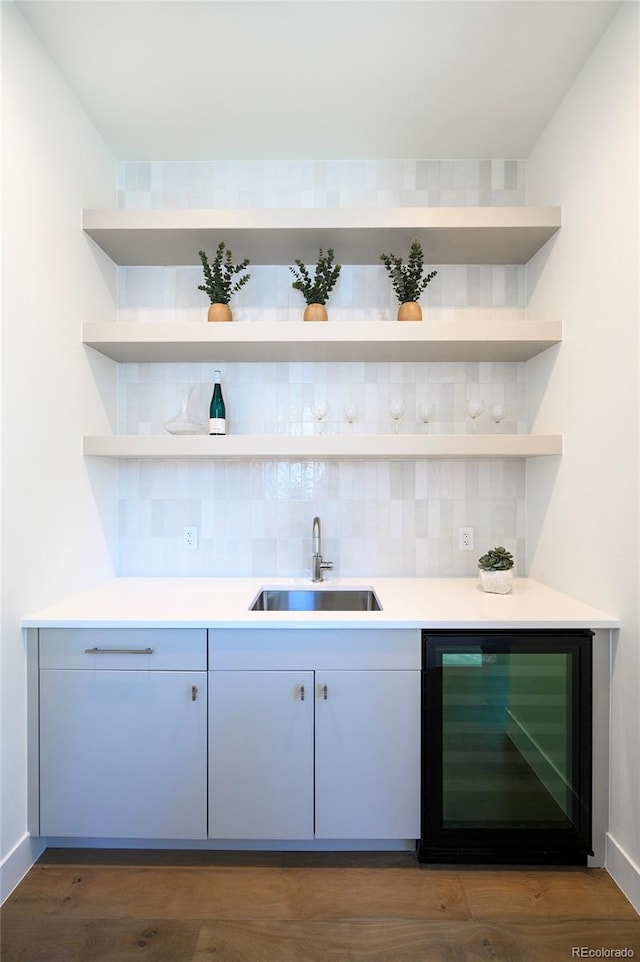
217	426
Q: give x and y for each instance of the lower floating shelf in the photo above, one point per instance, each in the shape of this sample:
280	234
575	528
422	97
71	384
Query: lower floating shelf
283	447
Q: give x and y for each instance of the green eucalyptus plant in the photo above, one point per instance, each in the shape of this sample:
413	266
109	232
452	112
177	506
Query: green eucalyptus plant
408	280
316	290
219	275
497	559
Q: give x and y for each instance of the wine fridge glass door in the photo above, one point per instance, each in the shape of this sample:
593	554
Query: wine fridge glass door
507	746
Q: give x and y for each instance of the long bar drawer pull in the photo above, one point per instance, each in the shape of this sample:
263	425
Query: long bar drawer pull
118	651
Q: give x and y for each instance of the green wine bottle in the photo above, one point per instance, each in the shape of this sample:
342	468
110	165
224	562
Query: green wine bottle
217	412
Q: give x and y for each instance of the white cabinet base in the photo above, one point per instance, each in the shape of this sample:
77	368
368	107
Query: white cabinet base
123	754
325	754
261	754
367	754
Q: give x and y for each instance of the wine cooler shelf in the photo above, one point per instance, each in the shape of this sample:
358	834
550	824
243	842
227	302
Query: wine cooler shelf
401	447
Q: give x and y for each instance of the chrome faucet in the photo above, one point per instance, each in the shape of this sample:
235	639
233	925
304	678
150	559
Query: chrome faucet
317	564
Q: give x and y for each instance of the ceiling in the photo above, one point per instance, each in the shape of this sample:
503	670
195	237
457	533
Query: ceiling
319	79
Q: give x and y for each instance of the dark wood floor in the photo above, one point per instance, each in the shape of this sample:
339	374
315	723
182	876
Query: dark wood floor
197	907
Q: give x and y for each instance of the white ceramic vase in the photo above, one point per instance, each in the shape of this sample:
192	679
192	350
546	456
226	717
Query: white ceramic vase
497	582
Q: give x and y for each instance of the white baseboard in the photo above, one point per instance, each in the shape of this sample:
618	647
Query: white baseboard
17	862
624	871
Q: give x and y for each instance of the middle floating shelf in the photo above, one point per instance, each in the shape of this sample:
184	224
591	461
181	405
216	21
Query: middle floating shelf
320	447
487	340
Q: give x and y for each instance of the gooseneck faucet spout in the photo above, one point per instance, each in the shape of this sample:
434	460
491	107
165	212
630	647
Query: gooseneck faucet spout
317	564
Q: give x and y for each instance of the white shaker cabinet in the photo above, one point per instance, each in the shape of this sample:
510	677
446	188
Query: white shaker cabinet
367	754
324	754
261	754
290	734
123	733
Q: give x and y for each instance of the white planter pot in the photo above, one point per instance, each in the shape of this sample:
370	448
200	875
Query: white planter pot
497	582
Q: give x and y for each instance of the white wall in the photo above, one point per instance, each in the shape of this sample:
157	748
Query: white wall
582	525
58	514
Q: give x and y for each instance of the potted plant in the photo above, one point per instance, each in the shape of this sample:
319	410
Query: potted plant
219	281
408	280
316	290
496	571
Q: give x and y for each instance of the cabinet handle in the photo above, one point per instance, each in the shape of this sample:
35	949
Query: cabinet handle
194	692
118	651
325	692
301	692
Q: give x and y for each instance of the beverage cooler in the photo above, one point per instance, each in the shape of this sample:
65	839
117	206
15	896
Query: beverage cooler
506	747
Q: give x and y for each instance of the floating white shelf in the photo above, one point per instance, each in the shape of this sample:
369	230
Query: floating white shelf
449	235
404	447
354	341
466	235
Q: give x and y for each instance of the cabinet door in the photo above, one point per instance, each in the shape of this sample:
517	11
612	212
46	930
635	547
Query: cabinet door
368	754
123	754
261	754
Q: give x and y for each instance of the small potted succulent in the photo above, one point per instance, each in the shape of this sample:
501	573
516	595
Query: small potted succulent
496	571
316	290
219	281
409	280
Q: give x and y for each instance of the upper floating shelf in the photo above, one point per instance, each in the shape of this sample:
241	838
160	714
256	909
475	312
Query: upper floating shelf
449	235
492	340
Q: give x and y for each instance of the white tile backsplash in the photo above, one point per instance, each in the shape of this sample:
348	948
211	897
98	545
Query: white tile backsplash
379	518
362	293
278	398
385	519
340	183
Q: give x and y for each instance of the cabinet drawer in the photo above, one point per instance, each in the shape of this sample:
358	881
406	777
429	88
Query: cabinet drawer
307	649
144	649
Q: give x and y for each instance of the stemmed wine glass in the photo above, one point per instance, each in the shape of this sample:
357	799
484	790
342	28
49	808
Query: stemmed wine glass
498	412
397	407
426	412
320	410
350	413
475	407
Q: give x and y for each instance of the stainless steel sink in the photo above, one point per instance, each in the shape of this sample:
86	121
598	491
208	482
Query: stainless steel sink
316	599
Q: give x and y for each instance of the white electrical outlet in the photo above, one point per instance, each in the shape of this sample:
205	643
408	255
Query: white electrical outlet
465	539
190	537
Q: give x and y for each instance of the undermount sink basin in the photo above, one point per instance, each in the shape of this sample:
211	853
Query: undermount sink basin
316	599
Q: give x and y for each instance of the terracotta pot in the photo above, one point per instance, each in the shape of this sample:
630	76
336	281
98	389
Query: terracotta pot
410	311
315	312
219	312
497	582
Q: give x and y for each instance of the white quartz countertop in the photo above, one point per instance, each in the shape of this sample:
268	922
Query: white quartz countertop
406	603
